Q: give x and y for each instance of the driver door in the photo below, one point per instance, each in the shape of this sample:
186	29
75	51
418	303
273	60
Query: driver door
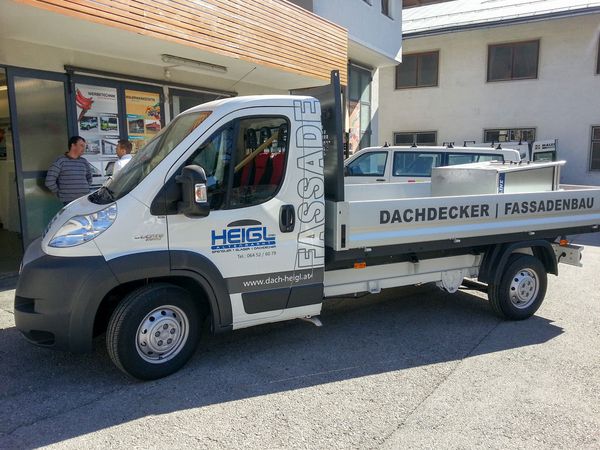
249	233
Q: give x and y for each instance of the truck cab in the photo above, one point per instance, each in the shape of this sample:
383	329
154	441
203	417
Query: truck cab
414	164
231	202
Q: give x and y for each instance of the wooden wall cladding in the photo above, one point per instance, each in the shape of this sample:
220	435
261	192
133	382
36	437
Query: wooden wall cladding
273	33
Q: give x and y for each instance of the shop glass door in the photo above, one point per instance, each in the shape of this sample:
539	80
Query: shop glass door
40	135
11	243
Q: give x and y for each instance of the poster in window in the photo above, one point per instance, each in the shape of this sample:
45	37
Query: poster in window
143	116
98	123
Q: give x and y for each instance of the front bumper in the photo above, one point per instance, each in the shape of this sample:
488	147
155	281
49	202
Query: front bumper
57	298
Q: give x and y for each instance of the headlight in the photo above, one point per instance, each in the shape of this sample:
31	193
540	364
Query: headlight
80	229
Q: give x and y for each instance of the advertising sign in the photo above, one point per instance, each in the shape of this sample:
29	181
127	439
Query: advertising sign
98	124
330	97
143	116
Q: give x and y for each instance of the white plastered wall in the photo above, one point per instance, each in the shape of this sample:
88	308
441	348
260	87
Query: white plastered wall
563	102
365	23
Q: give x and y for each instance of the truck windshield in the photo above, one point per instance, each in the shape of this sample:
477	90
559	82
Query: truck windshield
148	157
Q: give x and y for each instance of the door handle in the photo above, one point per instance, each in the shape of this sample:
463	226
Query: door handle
380	179
287	218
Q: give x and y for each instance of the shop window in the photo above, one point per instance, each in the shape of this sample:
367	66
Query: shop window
595	149
418	70
509	135
514	61
415	138
359	108
181	100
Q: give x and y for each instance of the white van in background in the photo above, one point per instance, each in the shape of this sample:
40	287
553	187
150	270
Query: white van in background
414	164
530	151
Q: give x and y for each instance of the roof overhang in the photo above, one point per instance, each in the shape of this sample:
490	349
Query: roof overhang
129	50
499	22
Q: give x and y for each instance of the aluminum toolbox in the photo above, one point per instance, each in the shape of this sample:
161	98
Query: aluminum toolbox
493	177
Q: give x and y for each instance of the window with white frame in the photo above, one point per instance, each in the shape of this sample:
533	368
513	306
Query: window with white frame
509	135
415	137
595	149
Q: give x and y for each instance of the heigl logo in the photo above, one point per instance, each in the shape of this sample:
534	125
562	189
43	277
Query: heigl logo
242	234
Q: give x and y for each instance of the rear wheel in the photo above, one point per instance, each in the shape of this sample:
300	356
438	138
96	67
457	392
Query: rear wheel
154	331
521	289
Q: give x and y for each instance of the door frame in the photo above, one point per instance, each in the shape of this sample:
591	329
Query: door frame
21	176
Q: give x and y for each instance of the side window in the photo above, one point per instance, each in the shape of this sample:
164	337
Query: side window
259	160
214	156
481	158
244	161
415	163
455	159
544	156
371	164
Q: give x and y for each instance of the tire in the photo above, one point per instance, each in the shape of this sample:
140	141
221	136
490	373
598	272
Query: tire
154	331
521	289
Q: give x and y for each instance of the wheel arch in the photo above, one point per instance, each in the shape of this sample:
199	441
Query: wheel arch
188	270
497	256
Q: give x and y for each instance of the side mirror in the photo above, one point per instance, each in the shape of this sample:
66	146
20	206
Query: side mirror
194	194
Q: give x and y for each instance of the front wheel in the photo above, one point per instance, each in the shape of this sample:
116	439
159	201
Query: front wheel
521	289
154	331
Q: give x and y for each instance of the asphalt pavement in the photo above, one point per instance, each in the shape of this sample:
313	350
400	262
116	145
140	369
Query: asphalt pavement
409	368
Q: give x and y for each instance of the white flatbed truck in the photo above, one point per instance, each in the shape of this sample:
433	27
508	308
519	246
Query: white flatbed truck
235	212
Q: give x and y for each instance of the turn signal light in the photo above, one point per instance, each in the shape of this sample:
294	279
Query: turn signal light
563	243
360	265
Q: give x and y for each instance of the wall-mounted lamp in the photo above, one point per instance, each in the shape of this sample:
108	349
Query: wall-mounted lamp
192	63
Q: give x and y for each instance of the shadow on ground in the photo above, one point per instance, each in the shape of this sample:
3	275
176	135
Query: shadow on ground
360	337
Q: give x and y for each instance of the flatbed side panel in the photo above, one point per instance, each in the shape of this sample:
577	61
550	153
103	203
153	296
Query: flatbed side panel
390	222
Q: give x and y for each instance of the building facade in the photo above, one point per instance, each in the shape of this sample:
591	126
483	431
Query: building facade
374	42
109	70
511	71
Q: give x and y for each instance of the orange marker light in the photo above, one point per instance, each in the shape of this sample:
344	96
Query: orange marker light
360	265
